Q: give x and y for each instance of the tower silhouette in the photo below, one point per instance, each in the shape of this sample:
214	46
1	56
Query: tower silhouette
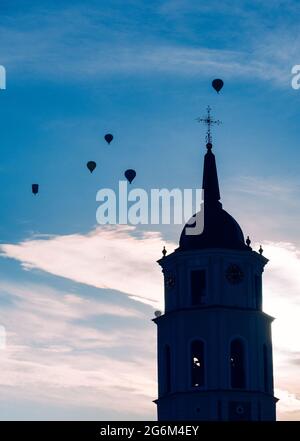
214	340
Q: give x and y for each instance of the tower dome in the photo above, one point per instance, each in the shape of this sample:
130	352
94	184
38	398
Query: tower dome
220	229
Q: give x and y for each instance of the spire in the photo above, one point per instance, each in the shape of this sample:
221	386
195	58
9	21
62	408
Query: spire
220	229
210	182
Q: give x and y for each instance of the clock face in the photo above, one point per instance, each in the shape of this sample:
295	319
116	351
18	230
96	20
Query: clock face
170	281
234	274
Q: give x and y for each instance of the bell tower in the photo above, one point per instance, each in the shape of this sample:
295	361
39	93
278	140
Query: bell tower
214	340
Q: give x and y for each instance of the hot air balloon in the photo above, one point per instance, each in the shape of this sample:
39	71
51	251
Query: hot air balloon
130	175
91	165
35	189
108	138
217	84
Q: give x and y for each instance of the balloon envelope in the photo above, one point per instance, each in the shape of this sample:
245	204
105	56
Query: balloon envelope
108	138
35	188
130	175
217	84
91	165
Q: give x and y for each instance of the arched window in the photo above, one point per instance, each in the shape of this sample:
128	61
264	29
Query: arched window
237	364
197	363
266	368
167	369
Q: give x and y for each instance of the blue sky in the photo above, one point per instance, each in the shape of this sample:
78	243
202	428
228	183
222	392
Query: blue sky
142	71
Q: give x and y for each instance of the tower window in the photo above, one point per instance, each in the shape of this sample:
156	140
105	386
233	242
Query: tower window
237	364
167	369
197	363
198	286
266	368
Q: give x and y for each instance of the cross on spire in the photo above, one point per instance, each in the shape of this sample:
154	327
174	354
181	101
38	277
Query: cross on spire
209	121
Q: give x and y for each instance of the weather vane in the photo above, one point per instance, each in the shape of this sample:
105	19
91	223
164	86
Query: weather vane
209	121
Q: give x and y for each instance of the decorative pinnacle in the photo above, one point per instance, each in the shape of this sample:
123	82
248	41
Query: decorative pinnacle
260	250
164	251
209	121
248	241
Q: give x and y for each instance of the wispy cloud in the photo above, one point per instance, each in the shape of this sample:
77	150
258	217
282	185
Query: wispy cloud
282	300
111	257
289	405
262	186
276	201
52	346
87	43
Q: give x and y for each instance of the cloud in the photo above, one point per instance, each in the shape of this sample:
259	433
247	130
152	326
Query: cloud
265	187
97	257
282	301
66	305
56	355
282	295
77	43
276	201
107	257
289	405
